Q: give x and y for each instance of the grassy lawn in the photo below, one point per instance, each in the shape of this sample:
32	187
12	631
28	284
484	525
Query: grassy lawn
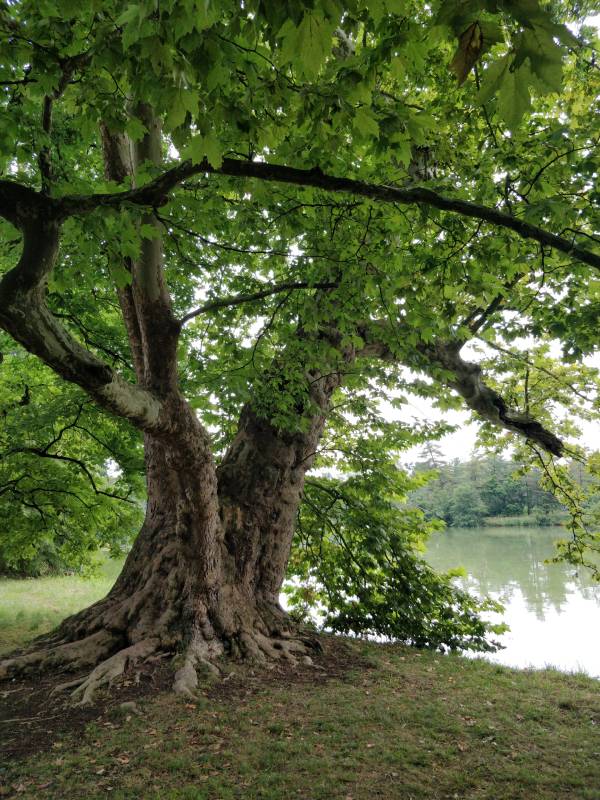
33	606
407	725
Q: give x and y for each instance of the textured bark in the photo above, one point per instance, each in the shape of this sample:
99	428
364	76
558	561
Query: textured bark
118	166
152	329
174	567
181	589
261	480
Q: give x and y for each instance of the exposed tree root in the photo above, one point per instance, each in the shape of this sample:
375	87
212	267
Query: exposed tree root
107	671
263	648
262	637
85	652
200	655
200	660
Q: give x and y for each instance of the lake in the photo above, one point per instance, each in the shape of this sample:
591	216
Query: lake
553	610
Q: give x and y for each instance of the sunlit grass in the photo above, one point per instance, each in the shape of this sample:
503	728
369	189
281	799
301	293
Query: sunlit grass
32	606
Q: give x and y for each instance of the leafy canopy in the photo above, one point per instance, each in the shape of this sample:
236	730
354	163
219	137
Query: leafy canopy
488	101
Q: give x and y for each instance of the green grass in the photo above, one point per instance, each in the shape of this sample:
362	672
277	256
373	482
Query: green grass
413	726
416	725
32	606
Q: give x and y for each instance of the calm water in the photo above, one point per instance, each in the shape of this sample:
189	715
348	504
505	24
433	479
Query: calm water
552	610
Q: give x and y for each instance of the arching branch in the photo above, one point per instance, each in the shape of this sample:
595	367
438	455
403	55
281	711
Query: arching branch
156	193
467	379
26	317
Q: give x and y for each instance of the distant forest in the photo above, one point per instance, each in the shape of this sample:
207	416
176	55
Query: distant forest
468	494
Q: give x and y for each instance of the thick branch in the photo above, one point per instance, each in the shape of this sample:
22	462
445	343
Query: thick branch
156	192
468	381
25	316
145	302
466	378
118	165
19	204
157	324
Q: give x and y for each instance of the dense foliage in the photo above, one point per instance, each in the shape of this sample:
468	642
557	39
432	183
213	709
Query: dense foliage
71	477
473	124
357	561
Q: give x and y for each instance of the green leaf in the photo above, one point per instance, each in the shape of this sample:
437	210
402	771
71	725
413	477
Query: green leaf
307	45
213	150
399	7
121	276
149	231
513	98
209	147
135	129
397	67
183	100
133	13
402	147
492	79
365	123
206	13
545	58
418	125
176	115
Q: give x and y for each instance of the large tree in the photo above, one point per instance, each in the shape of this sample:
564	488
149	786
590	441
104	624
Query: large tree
283	205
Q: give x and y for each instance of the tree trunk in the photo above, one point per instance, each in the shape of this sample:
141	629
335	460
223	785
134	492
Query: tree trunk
261	481
204	574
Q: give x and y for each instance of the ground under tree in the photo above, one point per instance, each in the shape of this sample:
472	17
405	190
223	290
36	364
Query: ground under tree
214	167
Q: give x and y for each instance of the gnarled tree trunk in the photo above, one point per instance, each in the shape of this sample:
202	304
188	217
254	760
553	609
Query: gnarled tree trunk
204	575
261	480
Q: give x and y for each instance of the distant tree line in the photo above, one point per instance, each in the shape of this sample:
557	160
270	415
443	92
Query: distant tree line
467	493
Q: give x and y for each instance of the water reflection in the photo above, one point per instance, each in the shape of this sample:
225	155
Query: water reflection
553	609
